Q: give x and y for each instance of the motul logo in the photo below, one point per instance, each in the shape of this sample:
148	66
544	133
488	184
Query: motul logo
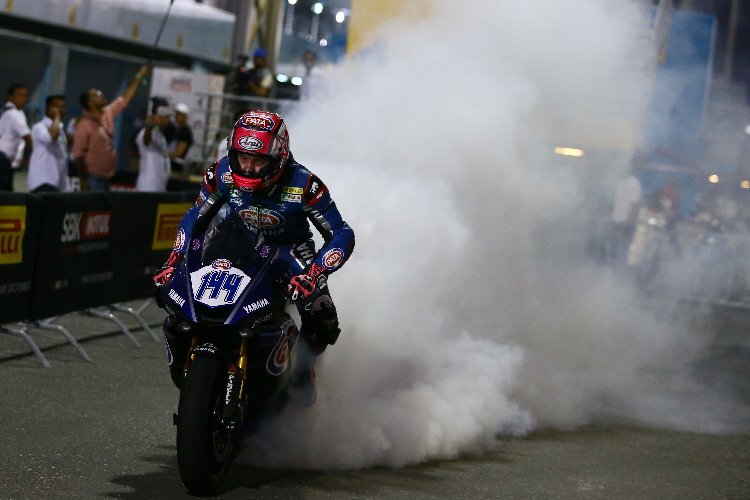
85	226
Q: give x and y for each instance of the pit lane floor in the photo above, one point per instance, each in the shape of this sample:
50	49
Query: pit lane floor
103	430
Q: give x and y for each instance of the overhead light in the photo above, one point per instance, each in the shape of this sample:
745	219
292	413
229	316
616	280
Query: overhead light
340	16
323	42
713	179
292	2
745	184
317	7
569	151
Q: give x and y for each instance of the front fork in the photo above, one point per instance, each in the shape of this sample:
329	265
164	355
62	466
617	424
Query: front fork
233	414
233	409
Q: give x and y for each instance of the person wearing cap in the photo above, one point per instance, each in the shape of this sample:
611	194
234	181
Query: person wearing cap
93	151
182	140
260	76
154	170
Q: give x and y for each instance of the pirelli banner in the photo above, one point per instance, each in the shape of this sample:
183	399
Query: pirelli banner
101	248
19	225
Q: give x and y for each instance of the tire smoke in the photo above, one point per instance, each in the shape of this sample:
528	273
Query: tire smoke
469	308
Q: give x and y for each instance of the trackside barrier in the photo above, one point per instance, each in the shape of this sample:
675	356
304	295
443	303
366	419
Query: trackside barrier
88	252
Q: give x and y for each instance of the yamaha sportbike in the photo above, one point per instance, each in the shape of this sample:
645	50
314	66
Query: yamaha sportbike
226	300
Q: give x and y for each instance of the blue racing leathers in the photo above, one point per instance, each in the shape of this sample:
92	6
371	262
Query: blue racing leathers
282	216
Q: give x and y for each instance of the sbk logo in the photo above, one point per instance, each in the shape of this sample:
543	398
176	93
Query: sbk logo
78	226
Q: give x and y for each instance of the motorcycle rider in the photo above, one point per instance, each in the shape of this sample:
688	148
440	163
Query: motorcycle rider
276	197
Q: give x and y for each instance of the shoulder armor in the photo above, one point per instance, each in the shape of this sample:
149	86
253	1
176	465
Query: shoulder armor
210	180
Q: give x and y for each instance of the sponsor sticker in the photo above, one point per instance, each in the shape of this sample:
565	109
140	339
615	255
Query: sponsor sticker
226	177
292	190
77	226
167	223
210	179
262	218
179	240
221	264
278	360
206	349
314	191
257	120
333	258
292	198
258	304
250	143
177	298
12	228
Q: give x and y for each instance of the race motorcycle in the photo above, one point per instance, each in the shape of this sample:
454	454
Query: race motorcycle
227	299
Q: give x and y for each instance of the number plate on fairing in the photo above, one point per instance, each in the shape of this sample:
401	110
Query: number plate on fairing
219	284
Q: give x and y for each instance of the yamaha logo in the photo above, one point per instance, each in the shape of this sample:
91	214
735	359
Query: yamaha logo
250	143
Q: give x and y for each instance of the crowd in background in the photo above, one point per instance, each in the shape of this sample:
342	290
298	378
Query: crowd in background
62	153
80	154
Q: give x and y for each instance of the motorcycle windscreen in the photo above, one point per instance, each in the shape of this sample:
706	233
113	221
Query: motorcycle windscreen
226	274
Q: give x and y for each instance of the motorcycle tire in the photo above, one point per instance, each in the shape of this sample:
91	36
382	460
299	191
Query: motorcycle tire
204	447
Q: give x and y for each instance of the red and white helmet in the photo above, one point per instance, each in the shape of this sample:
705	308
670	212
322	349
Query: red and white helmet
260	133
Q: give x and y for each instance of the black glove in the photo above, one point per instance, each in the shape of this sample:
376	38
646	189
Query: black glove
304	285
165	272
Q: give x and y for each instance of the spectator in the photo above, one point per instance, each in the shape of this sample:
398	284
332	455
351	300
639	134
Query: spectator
14	130
48	165
309	60
183	138
260	76
93	149
154	171
628	193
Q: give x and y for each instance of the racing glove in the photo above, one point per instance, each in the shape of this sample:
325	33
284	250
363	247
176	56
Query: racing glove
304	285
165	272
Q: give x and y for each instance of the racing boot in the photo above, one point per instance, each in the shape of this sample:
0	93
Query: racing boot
320	328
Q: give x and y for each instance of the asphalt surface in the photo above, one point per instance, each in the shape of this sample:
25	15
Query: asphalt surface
104	430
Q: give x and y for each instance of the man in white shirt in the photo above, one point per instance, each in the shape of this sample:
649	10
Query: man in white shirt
14	129
48	165
628	193
152	146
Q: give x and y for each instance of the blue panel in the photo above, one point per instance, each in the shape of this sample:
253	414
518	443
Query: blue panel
681	86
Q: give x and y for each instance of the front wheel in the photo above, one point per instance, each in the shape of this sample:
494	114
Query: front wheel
204	446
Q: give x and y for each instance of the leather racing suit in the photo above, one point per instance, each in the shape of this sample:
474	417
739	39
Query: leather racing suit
282	216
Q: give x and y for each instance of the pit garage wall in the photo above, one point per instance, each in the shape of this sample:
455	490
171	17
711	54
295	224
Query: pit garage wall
194	29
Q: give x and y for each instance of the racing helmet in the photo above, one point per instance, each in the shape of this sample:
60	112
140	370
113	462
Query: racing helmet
260	133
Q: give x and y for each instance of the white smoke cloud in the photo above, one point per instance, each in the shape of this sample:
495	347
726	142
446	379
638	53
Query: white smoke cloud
467	307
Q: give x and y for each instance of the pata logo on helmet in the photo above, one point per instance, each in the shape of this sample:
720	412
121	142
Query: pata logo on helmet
262	122
250	143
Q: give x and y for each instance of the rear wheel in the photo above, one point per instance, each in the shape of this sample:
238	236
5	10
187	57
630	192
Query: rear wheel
204	447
